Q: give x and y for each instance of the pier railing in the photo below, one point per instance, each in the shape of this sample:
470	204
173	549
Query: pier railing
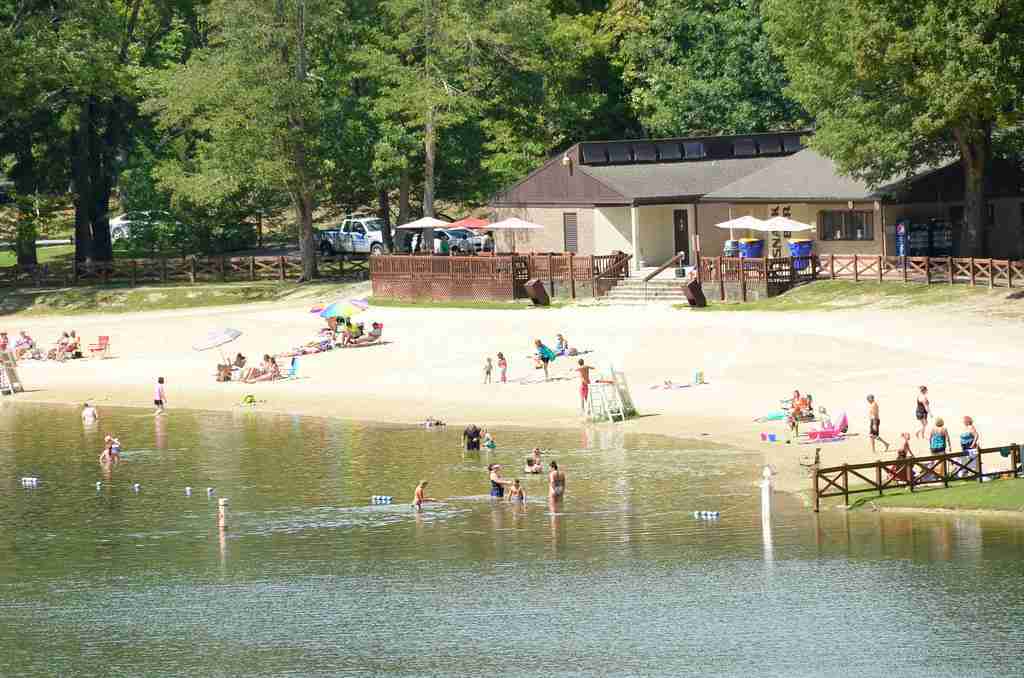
910	473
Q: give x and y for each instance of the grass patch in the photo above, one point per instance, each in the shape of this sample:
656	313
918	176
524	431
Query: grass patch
998	495
44	255
124	299
519	305
843	295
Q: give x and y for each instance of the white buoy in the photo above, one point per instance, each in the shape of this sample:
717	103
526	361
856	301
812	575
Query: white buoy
99	484
209	491
222	512
188	491
29	482
135	487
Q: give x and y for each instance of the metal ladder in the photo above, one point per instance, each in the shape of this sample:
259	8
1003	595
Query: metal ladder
605	402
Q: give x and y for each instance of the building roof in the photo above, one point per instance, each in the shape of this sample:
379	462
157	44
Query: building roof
804	176
662	181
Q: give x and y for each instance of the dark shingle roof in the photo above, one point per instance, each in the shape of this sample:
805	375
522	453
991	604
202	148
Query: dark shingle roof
806	175
674	180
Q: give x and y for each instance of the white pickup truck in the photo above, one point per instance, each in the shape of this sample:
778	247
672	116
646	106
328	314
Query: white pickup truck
355	235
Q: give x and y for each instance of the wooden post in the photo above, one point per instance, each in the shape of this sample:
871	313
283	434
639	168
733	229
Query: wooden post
743	282
192	270
846	485
881	262
551	273
927	270
991	274
252	268
904	269
572	276
972	272
878	477
949	269
280	266
980	478
814	484
700	273
1014	458
1009	273
223	266
832	266
721	279
856	273
945	471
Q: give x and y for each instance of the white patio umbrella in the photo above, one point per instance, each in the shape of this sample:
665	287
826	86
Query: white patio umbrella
746	222
423	222
216	339
514	224
786	224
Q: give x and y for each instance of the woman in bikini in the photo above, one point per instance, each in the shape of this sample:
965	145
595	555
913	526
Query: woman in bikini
556	483
923	411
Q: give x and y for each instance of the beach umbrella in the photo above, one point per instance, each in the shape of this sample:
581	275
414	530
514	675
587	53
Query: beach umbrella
216	339
343	309
514	224
786	224
746	223
357	304
424	222
473	223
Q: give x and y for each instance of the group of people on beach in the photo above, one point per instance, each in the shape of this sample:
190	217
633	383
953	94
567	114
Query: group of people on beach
937	437
543	356
68	345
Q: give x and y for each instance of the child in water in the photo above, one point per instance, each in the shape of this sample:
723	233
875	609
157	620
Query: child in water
517	492
489	441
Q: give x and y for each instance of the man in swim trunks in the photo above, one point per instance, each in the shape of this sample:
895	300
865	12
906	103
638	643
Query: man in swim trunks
471	438
874	424
584	371
556	482
418	496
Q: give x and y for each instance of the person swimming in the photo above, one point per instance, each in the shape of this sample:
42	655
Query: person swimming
532	467
489	441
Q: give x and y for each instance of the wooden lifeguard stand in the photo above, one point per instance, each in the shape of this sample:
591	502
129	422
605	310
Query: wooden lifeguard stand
10	382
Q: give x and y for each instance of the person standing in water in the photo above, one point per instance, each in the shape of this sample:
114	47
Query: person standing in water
584	371
418	498
89	414
874	424
517	492
498	483
471	438
556	483
159	396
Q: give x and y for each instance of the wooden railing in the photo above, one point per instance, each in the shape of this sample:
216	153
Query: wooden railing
178	270
494	277
909	473
927	270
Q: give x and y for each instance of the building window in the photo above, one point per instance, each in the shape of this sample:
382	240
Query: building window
846	225
569	227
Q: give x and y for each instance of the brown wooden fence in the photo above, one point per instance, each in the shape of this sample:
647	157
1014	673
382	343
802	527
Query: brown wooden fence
177	270
909	473
501	277
776	275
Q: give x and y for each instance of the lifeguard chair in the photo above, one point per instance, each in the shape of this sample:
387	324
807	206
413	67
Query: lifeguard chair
10	382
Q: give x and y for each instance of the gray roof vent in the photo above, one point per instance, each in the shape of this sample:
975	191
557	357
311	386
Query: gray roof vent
668	151
645	152
769	146
620	153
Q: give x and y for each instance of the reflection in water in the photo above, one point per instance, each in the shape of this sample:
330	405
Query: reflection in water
309	578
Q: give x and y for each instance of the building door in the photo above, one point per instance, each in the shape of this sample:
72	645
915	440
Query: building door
570	230
681	229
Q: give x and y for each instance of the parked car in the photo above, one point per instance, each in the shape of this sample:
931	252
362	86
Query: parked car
463	240
355	235
121	225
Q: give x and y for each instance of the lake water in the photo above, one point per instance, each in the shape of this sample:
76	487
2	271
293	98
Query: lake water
311	579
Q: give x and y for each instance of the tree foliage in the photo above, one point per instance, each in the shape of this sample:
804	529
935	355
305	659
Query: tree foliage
703	67
895	86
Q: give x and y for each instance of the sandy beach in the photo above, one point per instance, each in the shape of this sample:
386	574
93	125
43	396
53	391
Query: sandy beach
432	365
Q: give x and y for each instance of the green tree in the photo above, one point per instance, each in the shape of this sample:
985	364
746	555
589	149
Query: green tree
702	67
895	86
70	94
248	103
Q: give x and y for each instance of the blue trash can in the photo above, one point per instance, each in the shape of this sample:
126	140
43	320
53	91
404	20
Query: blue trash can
800	249
751	248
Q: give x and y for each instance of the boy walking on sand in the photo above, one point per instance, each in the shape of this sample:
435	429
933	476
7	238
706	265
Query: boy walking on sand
488	366
584	371
159	396
874	424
